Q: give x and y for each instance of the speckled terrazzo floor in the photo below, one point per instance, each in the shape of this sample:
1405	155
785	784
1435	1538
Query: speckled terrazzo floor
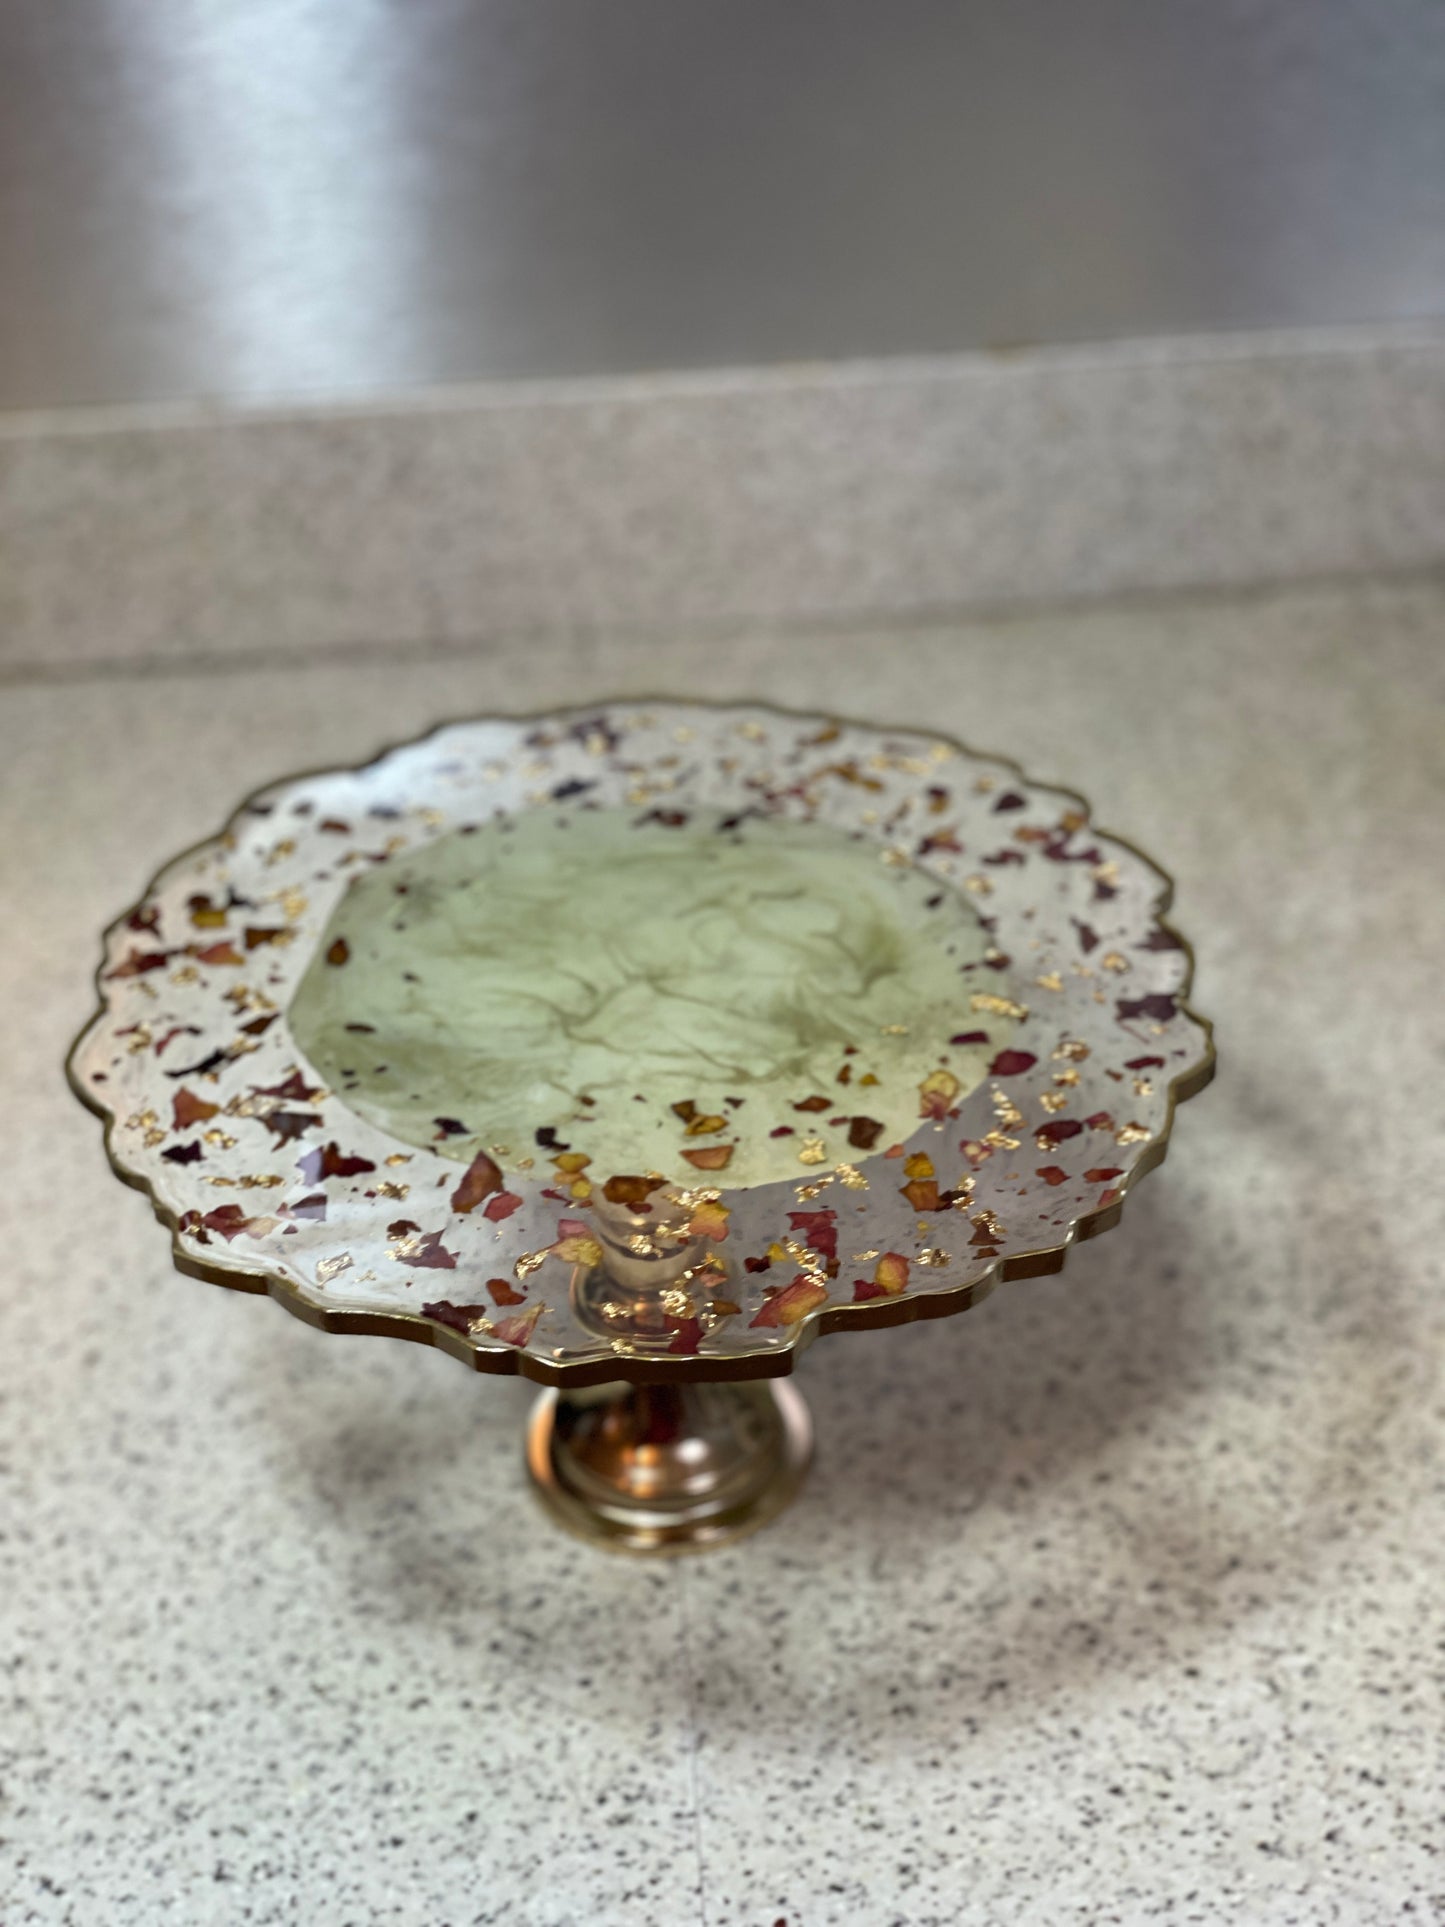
1117	1600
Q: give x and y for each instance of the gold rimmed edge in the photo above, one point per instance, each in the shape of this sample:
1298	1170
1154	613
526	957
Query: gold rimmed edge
873	1315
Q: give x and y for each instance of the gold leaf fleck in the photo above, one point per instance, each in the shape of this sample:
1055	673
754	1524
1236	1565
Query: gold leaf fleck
812	1151
997	1006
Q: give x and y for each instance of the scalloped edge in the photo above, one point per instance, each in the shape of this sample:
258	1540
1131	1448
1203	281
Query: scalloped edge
872	1315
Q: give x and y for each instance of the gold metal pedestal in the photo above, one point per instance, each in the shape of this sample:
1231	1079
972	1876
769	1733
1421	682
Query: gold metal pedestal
669	1468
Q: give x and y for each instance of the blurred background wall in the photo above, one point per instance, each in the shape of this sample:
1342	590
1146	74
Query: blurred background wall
303	197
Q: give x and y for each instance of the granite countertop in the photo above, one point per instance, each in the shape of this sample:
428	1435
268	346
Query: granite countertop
1116	1600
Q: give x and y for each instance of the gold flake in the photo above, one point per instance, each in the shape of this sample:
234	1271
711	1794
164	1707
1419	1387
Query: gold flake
264	1181
1000	1142
399	1157
140	1041
1005	1110
864	1257
851	1177
934	1256
1143	1087
1053	1100
529	1262
389	1188
997	1006
255	1104
1052	981
1113	961
1132	1134
807	1192
1073	1050
580	1249
187	974
286	847
141	1121
1105	872
293	904
243	998
812	1151
328	1268
221	1140
978	886
893	1030
896	858
677	1304
1065	1077
222	1184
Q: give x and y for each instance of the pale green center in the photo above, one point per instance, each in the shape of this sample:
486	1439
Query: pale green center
588	974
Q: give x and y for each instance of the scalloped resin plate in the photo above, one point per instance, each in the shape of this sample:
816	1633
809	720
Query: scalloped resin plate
643	1041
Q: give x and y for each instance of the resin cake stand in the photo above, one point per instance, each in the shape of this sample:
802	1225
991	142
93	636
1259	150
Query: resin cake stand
632	1048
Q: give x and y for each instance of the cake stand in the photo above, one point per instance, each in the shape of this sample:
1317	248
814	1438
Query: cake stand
632	1048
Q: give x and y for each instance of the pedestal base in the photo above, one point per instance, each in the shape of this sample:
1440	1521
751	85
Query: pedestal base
669	1468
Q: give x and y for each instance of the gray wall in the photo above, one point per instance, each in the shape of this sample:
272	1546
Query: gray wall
292	196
